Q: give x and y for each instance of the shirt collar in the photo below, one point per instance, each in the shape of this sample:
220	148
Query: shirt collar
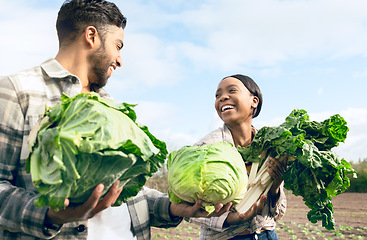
53	69
227	136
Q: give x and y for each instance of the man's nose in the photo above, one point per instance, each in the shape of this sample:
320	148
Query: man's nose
119	61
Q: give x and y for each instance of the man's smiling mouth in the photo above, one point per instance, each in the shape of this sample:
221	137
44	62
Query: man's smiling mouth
112	68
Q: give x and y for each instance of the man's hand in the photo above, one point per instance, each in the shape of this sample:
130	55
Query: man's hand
237	218
87	210
189	210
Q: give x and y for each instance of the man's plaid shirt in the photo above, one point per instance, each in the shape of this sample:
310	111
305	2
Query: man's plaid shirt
23	97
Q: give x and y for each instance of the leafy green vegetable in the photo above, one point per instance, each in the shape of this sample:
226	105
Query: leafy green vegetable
87	140
214	173
315	173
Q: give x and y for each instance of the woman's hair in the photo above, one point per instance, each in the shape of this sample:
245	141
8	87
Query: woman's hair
75	15
253	88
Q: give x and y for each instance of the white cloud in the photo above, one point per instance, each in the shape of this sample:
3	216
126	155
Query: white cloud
361	73
214	36
353	149
225	35
156	114
356	142
147	60
28	36
176	140
160	117
270	31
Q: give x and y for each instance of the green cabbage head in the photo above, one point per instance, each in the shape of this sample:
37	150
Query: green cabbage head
214	173
86	140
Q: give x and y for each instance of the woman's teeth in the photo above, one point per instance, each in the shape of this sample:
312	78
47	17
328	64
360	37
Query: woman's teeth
227	107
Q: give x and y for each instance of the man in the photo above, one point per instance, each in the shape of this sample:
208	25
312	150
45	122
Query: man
90	36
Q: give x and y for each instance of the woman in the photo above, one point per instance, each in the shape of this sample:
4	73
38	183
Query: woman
238	100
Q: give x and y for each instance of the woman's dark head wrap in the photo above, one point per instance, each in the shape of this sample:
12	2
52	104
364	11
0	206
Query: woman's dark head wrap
254	90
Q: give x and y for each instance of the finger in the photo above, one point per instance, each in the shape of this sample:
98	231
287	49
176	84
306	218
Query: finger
197	206
227	207
249	213
273	171
276	173
66	203
199	211
218	207
224	209
255	209
276	167
109	199
261	203
283	162
118	191
276	162
92	201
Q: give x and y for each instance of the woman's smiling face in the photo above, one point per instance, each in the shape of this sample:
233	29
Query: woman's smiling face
234	102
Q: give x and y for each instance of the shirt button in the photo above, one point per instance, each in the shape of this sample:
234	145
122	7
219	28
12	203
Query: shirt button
80	228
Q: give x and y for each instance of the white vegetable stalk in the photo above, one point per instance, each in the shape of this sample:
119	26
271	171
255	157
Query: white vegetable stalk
259	183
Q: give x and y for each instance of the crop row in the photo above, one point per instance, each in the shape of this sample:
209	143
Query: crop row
187	231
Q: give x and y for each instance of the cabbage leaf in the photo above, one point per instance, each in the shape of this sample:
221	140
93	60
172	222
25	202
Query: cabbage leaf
214	173
86	140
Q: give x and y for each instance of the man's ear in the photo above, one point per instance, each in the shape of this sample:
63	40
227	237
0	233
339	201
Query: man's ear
91	36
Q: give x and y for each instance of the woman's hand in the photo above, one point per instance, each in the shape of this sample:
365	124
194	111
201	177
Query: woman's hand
185	209
276	169
87	210
237	218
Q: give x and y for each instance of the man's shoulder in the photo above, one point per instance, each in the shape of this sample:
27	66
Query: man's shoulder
24	76
24	79
26	72
37	73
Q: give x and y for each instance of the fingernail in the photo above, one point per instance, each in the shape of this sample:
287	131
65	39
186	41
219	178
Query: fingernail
100	188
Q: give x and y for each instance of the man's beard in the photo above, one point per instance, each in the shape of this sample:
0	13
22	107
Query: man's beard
99	68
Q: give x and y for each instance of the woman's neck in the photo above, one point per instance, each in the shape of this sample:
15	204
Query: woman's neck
241	134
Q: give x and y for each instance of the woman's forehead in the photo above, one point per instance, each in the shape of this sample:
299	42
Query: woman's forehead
230	81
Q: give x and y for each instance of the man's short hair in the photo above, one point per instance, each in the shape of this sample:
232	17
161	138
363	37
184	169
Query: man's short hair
75	15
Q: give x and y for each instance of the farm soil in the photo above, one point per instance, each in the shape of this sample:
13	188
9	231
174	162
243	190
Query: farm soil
350	213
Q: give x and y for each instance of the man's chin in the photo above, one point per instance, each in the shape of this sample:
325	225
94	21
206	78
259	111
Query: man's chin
96	86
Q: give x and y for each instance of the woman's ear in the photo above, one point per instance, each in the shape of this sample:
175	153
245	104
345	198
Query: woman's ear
91	36
255	101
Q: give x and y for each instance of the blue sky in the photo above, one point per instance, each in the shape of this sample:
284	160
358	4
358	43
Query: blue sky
309	54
